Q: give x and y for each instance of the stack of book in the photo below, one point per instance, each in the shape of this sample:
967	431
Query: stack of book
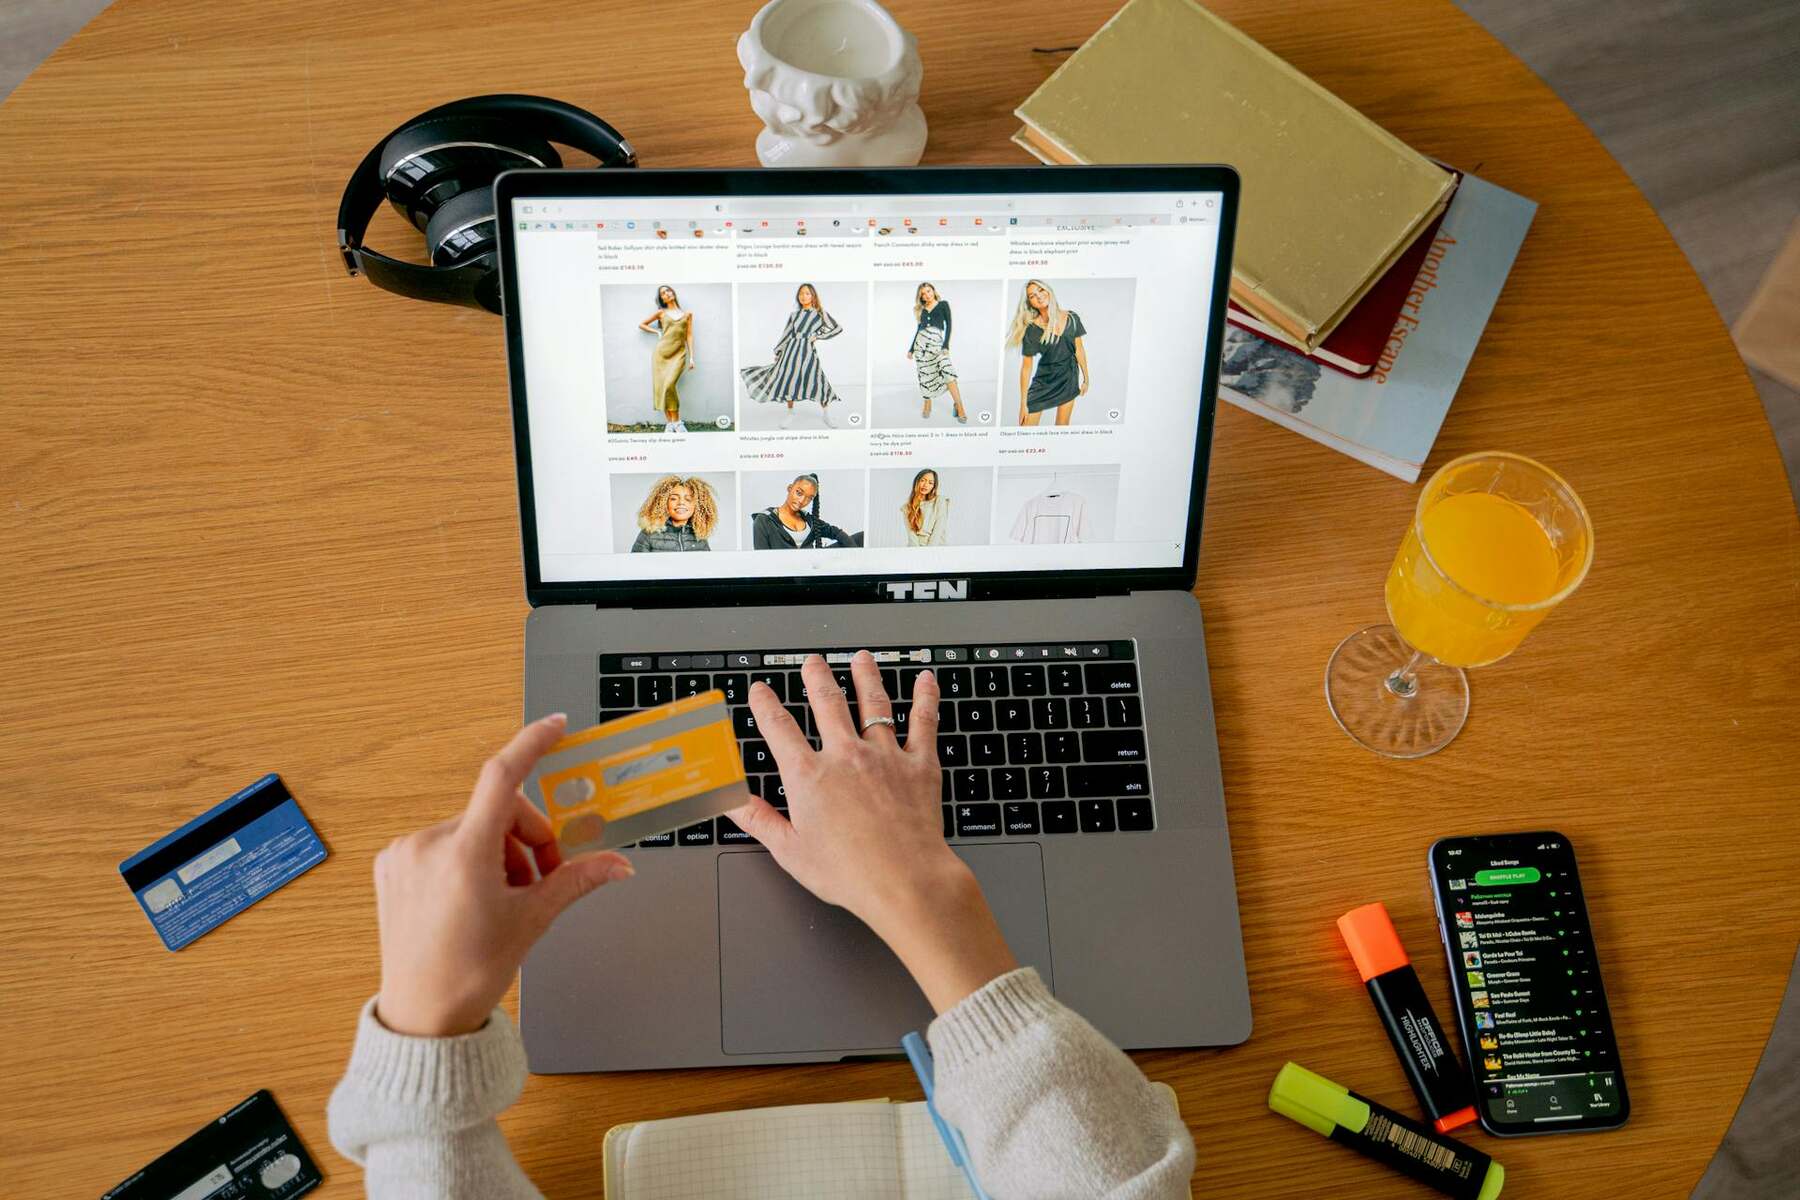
1363	272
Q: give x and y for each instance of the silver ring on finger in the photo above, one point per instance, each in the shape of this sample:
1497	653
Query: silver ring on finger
870	723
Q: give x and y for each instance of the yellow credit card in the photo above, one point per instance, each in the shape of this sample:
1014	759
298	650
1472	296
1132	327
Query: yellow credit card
641	775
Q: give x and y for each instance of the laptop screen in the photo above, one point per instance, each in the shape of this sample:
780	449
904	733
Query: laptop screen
940	384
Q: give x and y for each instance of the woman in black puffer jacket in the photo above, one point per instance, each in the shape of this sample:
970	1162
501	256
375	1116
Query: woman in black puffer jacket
678	514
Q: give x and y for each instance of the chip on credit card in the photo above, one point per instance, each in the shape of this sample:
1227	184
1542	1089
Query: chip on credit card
641	775
223	861
250	1153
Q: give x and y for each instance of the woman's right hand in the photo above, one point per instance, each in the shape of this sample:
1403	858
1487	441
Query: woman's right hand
864	829
460	903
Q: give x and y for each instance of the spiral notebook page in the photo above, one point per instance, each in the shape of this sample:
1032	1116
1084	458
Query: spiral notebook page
807	1152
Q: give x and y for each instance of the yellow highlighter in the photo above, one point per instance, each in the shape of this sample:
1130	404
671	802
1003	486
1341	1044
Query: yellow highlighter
641	775
1414	1149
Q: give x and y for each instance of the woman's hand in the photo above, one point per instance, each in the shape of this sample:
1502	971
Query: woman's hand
864	829
909	356
1084	386
460	903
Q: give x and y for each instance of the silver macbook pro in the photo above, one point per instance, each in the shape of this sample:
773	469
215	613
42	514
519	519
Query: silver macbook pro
959	417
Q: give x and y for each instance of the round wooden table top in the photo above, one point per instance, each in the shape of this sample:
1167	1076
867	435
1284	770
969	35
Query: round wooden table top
261	516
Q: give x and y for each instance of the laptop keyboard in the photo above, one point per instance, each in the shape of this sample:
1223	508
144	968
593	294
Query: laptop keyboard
1034	740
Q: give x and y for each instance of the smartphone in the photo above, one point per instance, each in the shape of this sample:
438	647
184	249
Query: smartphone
1536	1030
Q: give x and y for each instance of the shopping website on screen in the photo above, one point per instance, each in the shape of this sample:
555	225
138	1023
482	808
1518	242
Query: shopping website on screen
898	385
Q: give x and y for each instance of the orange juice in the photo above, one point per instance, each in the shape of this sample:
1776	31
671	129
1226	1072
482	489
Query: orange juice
1496	556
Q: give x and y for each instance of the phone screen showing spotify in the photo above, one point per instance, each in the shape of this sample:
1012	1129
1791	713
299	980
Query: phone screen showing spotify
1536	1029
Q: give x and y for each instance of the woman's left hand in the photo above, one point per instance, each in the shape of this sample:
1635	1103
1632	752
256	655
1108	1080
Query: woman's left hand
462	902
1084	385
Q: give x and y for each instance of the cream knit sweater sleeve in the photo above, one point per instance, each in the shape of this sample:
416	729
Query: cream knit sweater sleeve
417	1114
1048	1106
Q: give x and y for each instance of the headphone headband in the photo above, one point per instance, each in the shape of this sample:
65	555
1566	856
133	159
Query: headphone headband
552	120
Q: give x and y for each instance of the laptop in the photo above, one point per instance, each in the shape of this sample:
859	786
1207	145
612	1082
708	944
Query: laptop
747	432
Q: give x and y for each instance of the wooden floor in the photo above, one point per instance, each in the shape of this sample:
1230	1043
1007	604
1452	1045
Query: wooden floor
1699	100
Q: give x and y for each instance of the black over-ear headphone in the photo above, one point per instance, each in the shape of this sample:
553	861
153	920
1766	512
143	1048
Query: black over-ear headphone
438	171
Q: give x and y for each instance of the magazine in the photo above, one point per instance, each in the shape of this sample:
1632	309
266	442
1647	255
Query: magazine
1390	417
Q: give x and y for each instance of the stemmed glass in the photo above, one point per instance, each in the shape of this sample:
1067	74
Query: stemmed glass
1496	542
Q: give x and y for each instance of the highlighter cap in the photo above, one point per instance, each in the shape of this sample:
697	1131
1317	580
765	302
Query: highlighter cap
1374	942
1455	1120
1315	1101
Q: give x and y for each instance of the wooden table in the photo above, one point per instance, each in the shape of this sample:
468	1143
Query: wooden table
259	516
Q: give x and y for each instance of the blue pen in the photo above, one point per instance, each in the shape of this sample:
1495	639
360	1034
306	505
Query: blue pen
919	1054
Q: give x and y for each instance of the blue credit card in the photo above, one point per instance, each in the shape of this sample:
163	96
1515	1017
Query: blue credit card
223	861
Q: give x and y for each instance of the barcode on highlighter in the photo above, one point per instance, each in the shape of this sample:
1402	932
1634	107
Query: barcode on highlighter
1418	1146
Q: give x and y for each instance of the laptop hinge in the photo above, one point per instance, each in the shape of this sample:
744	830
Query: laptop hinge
772	601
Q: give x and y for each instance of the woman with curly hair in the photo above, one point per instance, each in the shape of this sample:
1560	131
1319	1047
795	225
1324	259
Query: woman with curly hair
678	514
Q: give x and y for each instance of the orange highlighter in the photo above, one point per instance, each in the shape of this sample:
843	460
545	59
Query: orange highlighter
1444	1091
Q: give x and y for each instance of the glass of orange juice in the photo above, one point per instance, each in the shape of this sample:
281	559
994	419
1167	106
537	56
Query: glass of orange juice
1496	542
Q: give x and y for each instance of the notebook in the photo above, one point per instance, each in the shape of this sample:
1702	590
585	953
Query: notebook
870	1149
1330	199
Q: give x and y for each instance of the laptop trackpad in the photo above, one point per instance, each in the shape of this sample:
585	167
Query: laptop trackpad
800	976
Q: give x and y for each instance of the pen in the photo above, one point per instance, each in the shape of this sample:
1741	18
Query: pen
919	1054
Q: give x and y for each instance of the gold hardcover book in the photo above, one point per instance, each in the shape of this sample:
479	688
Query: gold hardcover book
1330	199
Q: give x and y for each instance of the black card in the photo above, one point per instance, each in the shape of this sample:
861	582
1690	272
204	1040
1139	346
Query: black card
250	1153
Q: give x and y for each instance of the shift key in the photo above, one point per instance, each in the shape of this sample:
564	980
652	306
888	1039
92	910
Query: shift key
1131	779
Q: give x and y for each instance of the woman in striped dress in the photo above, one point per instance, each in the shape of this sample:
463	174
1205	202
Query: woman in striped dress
796	373
930	350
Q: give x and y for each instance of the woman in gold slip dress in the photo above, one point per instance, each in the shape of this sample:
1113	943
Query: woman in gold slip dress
672	355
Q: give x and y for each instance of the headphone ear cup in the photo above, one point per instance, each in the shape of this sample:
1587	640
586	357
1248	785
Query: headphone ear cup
430	163
463	228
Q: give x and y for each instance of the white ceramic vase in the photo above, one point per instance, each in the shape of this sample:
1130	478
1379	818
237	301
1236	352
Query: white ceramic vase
836	83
